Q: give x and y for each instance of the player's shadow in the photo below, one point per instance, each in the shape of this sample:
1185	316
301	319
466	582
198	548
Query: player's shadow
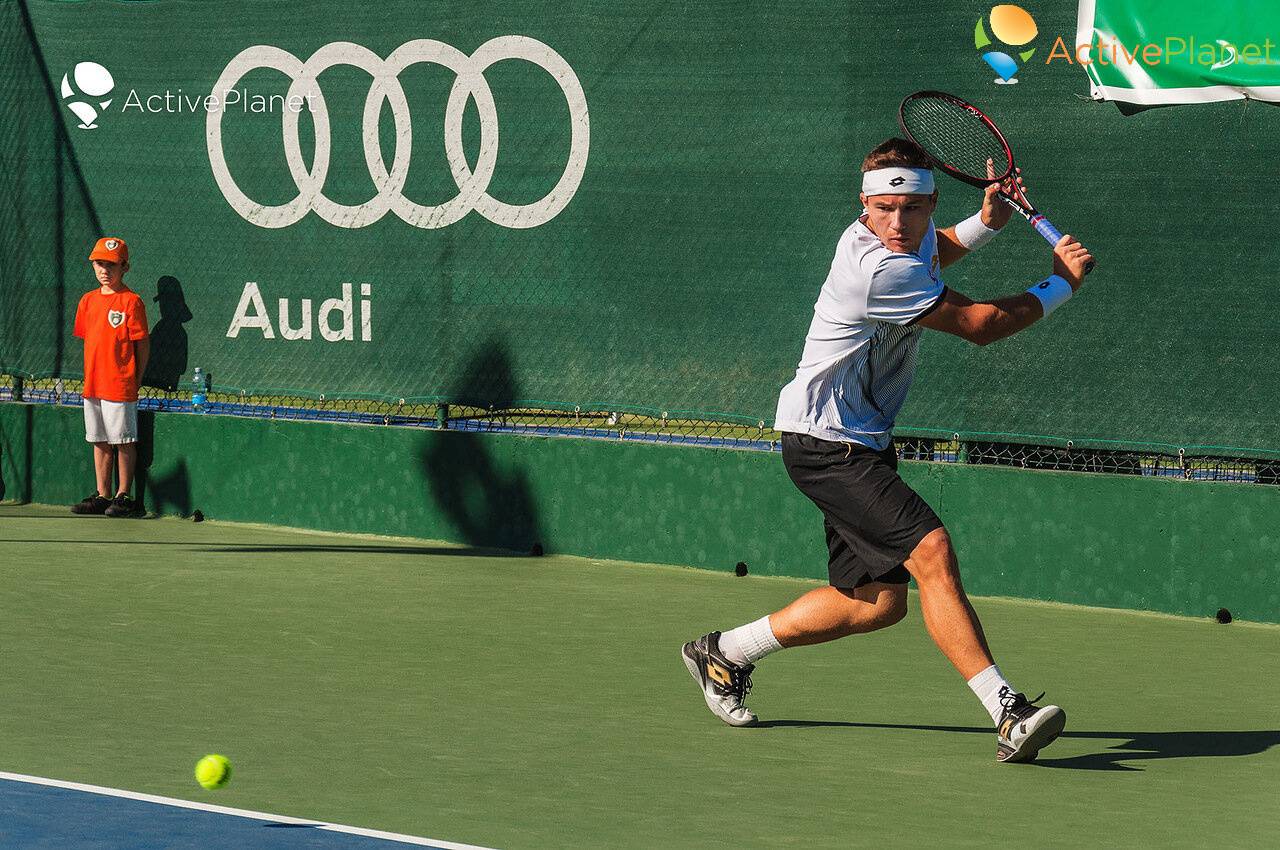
1164	745
168	361
1136	746
486	501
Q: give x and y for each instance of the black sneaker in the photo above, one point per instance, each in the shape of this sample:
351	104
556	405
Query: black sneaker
1025	728
122	505
724	684
91	504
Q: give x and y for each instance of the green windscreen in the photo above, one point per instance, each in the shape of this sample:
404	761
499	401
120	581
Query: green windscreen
610	205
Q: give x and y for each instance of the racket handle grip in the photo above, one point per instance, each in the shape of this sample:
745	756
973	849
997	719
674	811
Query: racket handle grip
1046	229
1052	235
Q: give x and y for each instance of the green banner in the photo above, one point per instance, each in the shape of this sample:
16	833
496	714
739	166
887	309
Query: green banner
611	206
1158	52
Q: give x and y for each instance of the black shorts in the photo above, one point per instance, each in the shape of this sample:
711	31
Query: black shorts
873	519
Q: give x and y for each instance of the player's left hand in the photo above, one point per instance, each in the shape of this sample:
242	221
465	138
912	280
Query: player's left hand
995	212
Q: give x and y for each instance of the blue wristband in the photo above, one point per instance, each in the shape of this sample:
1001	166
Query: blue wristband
1053	292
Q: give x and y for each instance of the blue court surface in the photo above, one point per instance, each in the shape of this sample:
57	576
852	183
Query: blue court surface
48	813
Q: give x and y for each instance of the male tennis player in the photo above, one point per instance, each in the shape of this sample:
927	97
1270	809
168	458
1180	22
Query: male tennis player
837	418
112	321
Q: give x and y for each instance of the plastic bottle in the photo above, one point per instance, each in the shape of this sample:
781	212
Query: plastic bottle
199	391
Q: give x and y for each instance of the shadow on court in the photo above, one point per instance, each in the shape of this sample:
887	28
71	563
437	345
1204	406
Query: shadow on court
260	548
442	551
1136	746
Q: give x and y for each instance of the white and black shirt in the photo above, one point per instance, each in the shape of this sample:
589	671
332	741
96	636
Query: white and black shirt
860	353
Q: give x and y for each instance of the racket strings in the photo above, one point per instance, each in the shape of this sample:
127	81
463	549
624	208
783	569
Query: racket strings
955	136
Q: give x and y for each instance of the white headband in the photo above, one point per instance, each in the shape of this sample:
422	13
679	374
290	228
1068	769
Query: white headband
897	181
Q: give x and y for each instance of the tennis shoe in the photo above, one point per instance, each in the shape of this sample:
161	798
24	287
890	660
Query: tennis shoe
94	503
1026	728
724	684
122	505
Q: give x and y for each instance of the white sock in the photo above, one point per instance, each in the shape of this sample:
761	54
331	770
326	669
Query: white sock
748	644
986	686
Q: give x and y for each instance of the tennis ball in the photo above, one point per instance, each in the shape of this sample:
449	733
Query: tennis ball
740	569
213	771
1224	616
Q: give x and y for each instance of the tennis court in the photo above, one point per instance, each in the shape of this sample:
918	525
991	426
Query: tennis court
479	697
451	359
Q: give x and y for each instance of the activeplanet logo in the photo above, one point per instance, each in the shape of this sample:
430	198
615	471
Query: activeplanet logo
82	89
1014	27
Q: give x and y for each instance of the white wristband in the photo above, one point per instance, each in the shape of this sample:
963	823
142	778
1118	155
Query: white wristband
1053	292
972	233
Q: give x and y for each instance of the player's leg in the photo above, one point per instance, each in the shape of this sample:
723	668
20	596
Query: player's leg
722	663
1022	728
122	425
950	619
95	434
828	613
871	525
103	462
127	460
853	604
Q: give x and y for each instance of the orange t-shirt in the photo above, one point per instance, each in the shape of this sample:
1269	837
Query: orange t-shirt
109	323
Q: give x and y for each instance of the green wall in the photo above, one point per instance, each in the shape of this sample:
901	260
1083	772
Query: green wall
1174	546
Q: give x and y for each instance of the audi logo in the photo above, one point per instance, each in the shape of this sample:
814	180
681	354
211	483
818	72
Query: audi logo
469	84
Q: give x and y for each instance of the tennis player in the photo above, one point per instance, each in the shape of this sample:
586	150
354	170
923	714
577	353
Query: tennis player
112	321
837	418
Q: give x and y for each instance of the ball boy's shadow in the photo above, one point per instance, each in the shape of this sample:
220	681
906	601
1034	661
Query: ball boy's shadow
168	361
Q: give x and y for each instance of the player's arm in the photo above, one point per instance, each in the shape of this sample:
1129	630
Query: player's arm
975	231
985	322
142	352
141	336
949	248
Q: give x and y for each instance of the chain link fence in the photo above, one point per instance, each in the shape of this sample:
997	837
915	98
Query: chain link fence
654	426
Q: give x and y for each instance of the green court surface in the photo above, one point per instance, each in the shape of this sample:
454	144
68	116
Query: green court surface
513	702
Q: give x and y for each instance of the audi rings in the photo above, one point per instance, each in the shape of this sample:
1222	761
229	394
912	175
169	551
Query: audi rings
470	84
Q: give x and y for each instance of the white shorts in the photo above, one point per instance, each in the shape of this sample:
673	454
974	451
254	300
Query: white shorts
110	421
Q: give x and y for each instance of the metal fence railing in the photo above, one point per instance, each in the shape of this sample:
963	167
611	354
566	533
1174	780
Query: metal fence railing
655	426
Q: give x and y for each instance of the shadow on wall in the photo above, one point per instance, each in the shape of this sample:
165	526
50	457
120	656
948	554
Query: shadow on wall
17	487
486	504
72	218
168	361
169	494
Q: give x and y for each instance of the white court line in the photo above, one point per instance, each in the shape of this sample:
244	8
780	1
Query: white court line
240	813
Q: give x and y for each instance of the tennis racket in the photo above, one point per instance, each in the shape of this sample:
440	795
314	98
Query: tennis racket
960	139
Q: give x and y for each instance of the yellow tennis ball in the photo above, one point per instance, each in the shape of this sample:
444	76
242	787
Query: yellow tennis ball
213	771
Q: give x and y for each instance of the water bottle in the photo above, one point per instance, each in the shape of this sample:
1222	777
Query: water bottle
199	391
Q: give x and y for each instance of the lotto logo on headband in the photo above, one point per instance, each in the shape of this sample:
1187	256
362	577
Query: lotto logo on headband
1012	27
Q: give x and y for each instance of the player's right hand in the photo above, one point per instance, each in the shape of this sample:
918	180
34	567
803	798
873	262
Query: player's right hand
1070	259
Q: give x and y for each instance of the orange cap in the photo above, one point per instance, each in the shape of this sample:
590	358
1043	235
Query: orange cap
110	248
